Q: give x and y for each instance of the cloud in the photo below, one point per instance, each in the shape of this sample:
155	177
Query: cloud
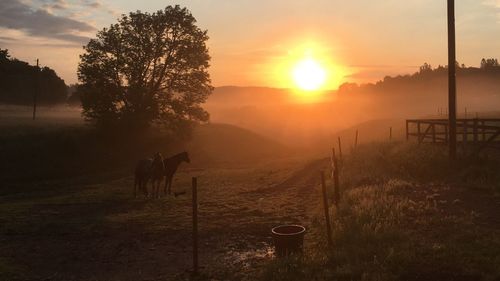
15	14
98	5
50	5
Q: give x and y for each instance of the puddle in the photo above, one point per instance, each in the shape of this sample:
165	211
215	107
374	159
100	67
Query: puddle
250	255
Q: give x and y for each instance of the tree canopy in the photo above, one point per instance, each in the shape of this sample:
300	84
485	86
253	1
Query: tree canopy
147	68
19	81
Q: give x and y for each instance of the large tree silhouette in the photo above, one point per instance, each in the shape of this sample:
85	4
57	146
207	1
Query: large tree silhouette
146	68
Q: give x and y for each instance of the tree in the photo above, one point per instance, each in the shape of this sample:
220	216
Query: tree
147	68
489	63
19	81
425	68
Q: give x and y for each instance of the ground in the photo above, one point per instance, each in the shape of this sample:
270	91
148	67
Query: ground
404	214
71	230
76	230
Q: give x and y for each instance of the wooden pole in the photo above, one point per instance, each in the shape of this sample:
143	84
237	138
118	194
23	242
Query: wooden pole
356	140
452	83
433	133
336	185
326	209
37	86
474	130
390	133
483	130
340	150
195	225
465	132
419	131
407	132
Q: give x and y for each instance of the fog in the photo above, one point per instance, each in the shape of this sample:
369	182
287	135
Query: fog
283	116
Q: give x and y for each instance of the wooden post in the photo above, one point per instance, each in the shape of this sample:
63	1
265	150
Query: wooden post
390	133
37	86
195	225
326	209
465	132
483	130
407	132
474	131
452	83
340	150
356	140
433	133
418	131
335	174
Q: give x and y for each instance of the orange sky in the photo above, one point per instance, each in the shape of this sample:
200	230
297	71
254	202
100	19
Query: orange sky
257	43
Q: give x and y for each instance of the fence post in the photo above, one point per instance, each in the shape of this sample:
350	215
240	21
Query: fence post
465	132
340	151
336	183
483	131
407	131
433	133
418	131
474	131
195	225
356	140
326	209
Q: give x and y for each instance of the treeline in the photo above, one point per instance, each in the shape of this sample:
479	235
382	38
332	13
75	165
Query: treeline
19	82
425	77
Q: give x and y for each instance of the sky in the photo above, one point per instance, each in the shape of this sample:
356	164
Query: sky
256	43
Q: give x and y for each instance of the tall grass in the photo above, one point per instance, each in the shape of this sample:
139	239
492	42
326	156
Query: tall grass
386	228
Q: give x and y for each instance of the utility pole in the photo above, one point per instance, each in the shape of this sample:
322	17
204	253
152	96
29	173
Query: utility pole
452	82
37	86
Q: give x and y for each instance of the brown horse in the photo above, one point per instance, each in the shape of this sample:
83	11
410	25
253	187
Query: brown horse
142	170
156	174
171	164
146	170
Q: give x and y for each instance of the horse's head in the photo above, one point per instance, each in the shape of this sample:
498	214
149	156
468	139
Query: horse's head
185	157
157	158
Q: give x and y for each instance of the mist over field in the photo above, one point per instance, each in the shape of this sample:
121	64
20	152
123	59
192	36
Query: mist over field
288	117
281	115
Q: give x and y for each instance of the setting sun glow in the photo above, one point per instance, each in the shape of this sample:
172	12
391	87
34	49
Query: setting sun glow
309	75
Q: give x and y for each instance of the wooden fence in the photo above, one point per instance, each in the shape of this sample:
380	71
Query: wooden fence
477	131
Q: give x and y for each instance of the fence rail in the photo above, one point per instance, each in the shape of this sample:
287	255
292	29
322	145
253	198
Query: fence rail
483	132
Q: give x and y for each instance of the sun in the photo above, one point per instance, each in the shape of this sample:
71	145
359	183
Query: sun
309	75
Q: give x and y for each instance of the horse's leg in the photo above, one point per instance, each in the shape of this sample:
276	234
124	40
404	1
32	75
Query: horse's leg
158	183
165	186
157	187
170	185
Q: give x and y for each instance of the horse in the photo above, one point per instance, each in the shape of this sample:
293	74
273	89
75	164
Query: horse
142	173
156	174
171	164
149	169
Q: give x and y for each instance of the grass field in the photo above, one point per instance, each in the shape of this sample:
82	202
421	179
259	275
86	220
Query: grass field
67	210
